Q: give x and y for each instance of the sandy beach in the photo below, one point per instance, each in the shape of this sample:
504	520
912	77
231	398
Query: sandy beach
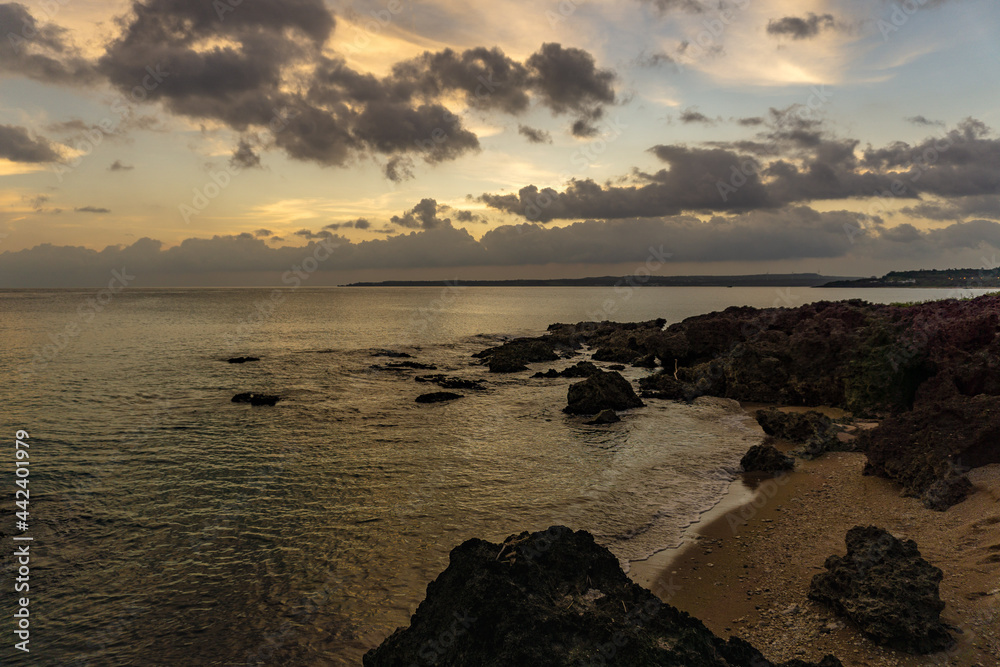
745	568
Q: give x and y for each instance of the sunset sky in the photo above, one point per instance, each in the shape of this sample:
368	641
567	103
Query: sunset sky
195	142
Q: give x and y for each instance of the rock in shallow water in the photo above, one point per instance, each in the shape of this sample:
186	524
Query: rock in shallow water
437	397
604	390
256	399
887	589
551	598
604	417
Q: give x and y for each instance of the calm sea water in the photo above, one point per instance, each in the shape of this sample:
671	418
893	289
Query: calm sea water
174	527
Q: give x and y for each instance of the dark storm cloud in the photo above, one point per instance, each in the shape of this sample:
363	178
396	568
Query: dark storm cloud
758	236
118	165
422	216
37	51
582	128
92	209
800	28
271	72
534	135
17	145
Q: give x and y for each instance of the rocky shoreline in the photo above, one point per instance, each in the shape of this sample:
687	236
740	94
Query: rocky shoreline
926	372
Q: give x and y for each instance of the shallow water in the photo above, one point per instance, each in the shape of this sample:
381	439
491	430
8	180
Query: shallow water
172	526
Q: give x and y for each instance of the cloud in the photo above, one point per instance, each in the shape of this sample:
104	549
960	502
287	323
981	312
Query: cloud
17	145
321	234
263	232
398	169
752	121
39	51
583	129
422	216
760	236
269	69
960	208
800	28
118	165
793	160
920	120
692	115
533	135
92	209
667	6
360	223
244	156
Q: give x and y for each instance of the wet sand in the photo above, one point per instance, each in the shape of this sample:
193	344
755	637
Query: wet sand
744	569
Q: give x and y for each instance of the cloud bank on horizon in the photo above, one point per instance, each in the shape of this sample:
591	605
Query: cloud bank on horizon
412	138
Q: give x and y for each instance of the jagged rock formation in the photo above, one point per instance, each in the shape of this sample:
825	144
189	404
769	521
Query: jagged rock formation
605	390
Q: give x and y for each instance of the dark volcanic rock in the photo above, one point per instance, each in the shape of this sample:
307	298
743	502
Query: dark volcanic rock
887	589
437	397
665	385
813	429
605	390
581	369
604	417
943	436
622	355
946	492
648	361
446	382
765	458
242	360
547	599
256	399
514	355
616	367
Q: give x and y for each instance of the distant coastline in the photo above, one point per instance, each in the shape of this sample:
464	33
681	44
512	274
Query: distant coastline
755	280
947	278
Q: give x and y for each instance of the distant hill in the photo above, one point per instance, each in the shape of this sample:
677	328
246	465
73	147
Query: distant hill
758	280
954	278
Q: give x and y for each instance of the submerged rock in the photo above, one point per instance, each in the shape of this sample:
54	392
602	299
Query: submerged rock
446	382
437	397
886	588
256	399
766	458
604	390
604	417
581	369
553	598
391	353
242	360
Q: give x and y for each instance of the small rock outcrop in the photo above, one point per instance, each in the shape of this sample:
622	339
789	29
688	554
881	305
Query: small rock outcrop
886	588
581	369
766	458
242	360
548	599
256	399
604	417
604	390
814	430
514	355
437	397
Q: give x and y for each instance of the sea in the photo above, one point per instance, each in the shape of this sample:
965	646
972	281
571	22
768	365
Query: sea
171	526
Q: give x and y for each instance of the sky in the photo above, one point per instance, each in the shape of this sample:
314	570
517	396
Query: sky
267	142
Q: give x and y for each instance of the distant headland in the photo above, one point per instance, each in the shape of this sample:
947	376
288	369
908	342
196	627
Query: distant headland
756	280
954	278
